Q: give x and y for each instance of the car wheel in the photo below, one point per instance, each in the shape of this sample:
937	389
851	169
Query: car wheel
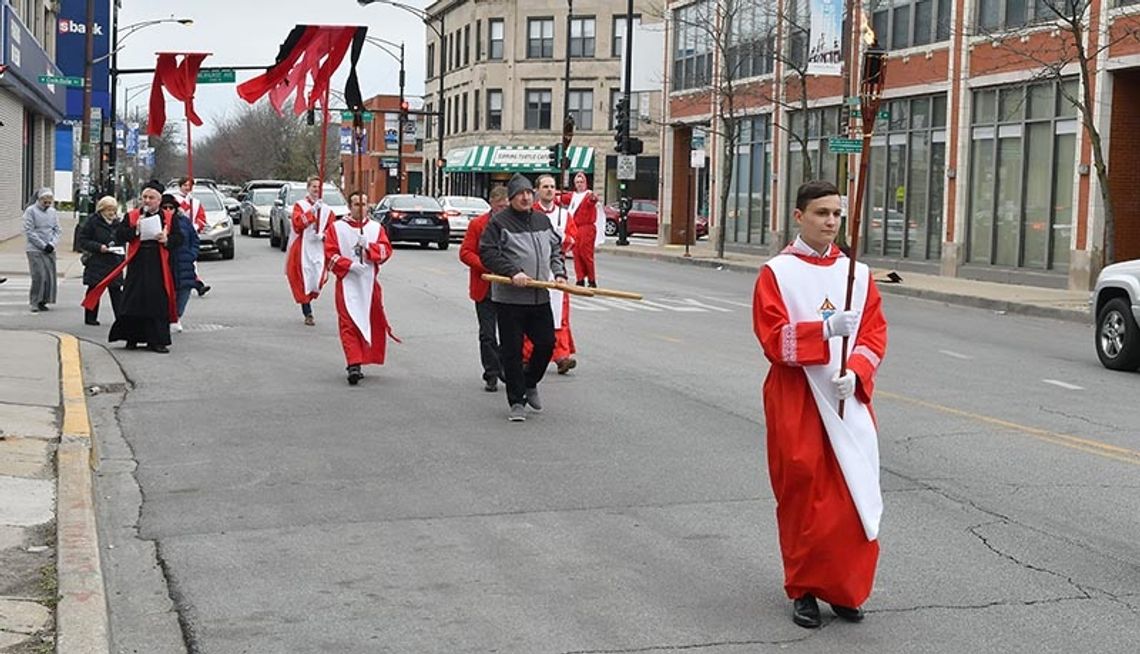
443	244
227	252
274	241
611	228
283	242
1117	336
425	244
244	229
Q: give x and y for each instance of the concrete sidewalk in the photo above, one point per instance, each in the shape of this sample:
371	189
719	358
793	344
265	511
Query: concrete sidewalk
51	583
13	260
1011	298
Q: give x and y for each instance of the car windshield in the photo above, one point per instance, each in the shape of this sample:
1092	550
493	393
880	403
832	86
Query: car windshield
468	203
415	203
264	196
209	200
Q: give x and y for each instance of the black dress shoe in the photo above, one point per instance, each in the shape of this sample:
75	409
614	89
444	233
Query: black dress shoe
354	375
847	613
131	345
805	612
161	349
91	322
203	289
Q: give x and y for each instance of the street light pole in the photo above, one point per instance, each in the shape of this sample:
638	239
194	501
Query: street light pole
85	133
567	122
384	44
113	158
623	221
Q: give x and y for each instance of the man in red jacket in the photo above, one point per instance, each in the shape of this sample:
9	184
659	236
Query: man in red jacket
480	290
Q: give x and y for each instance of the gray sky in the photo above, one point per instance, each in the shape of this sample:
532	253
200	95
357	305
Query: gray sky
249	32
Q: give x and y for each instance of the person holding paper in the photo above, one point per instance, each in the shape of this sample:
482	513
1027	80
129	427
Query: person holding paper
823	460
101	254
147	306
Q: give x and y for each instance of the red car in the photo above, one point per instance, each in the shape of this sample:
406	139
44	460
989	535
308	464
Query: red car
642	219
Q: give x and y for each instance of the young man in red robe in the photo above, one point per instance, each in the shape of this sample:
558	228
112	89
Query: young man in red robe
585	215
305	258
546	202
355	247
192	207
480	291
824	468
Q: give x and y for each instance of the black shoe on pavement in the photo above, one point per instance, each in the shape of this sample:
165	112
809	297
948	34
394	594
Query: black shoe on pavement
160	349
42	306
131	345
94	323
354	375
805	612
593	284
580	282
203	289
847	613
491	385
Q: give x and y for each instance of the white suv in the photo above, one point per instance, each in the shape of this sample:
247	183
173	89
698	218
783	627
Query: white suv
1116	306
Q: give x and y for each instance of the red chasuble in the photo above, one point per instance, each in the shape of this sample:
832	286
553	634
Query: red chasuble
829	549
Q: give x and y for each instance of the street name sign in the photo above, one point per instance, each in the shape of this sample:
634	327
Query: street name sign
216	76
840	145
62	80
364	115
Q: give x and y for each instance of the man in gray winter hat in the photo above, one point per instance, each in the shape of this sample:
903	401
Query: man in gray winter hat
521	244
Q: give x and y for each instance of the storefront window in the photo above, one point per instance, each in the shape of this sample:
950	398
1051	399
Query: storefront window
1023	152
748	198
815	128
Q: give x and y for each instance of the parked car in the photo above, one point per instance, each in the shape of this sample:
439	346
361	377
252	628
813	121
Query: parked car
460	210
217	237
281	216
415	218
198	181
1116	307
642	219
257	198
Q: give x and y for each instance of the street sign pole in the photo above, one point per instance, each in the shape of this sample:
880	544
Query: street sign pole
623	220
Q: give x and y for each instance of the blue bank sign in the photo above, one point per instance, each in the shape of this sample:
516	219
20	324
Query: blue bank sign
71	52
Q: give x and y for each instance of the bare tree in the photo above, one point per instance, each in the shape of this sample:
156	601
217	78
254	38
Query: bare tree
1053	38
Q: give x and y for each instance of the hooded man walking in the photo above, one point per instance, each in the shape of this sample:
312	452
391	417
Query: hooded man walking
41	228
521	243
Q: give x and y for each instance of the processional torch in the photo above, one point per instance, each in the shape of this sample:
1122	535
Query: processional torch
870	96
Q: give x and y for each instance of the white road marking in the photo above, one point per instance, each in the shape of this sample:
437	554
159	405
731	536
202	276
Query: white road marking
697	303
1065	385
731	302
956	355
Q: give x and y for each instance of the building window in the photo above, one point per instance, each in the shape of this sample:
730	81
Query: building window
749	52
749	195
634	110
495	36
617	49
457	49
903	213
431	60
582	37
475	106
428	122
808	156
494	109
999	15
466	45
463	120
906	23
478	42
1022	158
692	55
540	38
537	109
580	106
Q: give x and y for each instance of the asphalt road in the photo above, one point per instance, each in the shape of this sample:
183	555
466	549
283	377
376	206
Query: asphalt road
293	513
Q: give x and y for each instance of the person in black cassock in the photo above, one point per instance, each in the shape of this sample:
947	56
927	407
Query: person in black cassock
147	305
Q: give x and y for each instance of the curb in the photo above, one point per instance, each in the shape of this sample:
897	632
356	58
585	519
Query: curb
1007	306
82	624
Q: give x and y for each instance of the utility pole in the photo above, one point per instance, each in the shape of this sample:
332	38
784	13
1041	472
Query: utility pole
400	126
85	165
442	69
113	156
625	203
568	121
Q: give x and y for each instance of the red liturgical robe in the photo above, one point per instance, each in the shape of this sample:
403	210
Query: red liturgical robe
828	550
364	329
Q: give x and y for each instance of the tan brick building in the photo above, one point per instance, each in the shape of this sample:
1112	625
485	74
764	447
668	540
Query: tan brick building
504	70
980	167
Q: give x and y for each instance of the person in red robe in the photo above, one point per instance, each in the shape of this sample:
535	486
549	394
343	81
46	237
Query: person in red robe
583	207
480	291
355	247
305	259
192	207
546	201
823	466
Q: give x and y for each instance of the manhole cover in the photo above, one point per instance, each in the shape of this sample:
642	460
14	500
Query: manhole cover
205	327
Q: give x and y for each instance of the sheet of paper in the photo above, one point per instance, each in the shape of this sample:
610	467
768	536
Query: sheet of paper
149	228
117	249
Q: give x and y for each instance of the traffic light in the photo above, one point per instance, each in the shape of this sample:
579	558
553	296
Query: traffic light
621	124
552	156
404	107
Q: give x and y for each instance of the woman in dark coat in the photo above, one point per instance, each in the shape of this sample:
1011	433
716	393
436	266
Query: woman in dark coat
182	259
147	307
97	240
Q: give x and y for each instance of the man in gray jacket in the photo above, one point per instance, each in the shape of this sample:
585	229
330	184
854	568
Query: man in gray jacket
521	244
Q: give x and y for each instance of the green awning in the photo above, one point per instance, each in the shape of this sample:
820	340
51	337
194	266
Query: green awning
514	158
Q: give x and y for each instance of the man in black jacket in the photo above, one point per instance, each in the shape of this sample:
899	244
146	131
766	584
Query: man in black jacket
521	244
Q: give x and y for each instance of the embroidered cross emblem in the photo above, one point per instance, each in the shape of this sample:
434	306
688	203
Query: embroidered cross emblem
827	308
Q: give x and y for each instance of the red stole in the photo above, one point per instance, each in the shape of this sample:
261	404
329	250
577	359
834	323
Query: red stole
91	300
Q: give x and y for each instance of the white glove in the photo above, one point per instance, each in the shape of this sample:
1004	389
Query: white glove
841	323
361	241
358	267
844	385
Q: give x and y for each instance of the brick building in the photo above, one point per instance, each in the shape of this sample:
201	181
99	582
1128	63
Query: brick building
503	67
980	165
377	168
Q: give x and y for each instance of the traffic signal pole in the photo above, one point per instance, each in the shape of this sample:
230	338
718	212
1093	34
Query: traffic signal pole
623	221
567	122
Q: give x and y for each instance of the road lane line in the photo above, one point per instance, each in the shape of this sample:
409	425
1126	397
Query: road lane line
724	301
956	355
1065	385
1086	445
668	339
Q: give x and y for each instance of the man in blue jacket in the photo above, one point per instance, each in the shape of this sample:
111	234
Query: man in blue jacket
521	244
